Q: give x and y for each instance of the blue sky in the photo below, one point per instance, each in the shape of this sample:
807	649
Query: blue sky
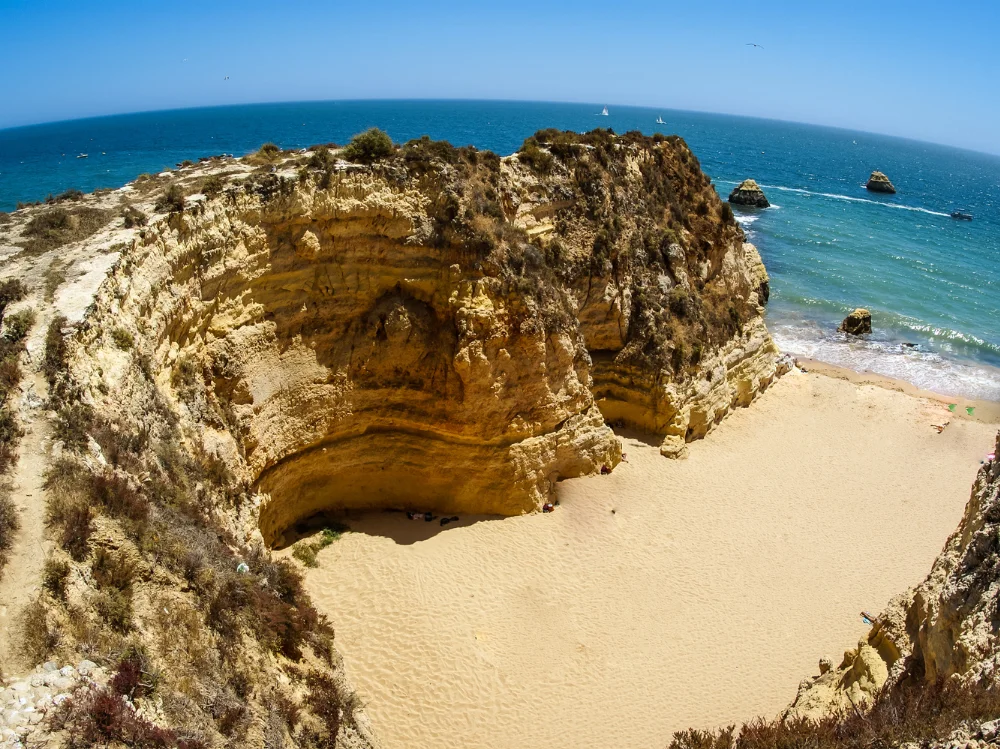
916	69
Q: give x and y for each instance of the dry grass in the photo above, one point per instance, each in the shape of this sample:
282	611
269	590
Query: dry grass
918	713
57	226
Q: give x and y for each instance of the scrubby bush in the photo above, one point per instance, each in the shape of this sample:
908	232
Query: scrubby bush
54	357
368	147
11	290
10	523
133	217
539	160
58	226
54	576
115	609
17	326
38	637
112	570
925	714
76	529
72	423
122	338
172	200
213	186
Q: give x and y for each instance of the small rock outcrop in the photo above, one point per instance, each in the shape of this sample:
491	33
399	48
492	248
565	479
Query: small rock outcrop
858	322
748	193
878	182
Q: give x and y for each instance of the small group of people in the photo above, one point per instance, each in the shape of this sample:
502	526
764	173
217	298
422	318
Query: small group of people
428	517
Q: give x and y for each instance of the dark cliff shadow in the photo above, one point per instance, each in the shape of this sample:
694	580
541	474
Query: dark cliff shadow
647	438
394	524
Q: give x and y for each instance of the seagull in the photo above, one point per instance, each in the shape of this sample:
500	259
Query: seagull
751	44
226	78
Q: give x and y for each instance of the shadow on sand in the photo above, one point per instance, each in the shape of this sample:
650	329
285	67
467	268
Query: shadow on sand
393	524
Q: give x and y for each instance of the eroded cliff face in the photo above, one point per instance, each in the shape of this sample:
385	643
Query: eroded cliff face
952	621
444	329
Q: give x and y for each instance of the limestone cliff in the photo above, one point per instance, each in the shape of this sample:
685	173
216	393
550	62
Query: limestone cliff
246	342
444	328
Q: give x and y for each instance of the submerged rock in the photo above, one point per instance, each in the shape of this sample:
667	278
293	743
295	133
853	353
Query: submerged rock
858	322
878	182
748	193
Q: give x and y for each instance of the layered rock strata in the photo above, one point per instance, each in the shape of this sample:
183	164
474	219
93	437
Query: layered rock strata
748	193
878	182
445	329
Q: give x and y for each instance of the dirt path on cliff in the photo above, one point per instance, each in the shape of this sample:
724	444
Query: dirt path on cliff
667	595
22	575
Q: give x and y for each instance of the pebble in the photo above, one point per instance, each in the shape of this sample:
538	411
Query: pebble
25	700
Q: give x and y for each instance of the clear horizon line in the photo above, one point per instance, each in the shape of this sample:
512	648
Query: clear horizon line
499	100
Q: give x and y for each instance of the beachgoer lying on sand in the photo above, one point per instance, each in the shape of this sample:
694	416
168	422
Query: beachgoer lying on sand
548	507
605	470
940	427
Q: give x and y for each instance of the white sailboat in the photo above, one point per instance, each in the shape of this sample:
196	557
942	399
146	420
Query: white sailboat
659	120
604	112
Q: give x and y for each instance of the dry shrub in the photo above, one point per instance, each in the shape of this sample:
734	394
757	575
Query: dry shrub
112	570
99	716
133	217
38	637
73	421
10	523
115	609
58	226
368	147
917	713
54	361
54	576
172	200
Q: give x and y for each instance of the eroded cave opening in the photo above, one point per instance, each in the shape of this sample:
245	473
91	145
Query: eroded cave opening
344	370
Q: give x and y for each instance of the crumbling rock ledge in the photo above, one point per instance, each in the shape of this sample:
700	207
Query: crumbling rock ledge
445	329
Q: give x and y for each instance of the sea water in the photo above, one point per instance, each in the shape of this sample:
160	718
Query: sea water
932	283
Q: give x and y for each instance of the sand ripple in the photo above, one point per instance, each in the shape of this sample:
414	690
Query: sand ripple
711	590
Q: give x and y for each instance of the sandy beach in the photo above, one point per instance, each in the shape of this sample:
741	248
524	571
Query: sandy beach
669	594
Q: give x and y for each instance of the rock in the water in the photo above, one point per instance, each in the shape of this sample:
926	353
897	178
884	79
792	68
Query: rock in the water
748	192
857	323
878	182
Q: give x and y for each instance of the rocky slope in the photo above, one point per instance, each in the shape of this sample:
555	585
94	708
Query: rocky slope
438	329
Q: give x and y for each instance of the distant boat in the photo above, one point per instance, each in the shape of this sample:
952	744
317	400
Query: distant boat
82	156
659	121
604	112
961	215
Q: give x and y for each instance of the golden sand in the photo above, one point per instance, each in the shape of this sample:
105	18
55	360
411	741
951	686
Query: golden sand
669	594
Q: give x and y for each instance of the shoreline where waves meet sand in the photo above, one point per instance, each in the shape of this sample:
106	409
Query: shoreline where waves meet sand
669	594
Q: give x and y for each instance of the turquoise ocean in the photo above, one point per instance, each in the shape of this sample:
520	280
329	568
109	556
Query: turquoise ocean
931	282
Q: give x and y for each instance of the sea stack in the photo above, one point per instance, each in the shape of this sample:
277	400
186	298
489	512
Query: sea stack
878	182
858	322
748	193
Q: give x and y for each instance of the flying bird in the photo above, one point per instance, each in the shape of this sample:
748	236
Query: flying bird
226	78
751	44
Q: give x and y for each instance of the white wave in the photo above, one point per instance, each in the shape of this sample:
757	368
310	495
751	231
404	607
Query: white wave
926	370
855	199
746	220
